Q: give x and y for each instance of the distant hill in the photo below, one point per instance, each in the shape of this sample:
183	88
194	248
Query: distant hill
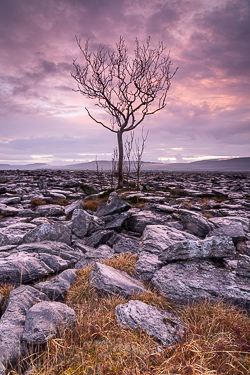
217	165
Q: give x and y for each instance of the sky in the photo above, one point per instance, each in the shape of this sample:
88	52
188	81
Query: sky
42	118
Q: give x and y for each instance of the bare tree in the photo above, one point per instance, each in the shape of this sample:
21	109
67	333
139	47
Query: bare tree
113	166
128	146
138	152
127	89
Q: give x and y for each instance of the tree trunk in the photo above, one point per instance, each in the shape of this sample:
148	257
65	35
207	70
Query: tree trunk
120	160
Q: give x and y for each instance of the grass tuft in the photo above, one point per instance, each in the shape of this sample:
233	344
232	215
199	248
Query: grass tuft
37	202
5	290
216	341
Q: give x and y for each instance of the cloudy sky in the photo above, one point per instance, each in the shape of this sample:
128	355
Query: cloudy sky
43	120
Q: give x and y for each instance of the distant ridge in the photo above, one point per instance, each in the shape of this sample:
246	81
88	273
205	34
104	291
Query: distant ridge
216	165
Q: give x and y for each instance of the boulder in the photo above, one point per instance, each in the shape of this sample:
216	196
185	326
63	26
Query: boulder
16	232
125	244
113	205
93	255
47	320
195	223
21	267
55	287
49	232
80	222
106	279
218	222
233	230
211	247
243	266
156	238
99	238
21	299
159	324
137	222
147	265
192	281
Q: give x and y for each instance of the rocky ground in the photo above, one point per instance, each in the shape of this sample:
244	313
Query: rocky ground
190	231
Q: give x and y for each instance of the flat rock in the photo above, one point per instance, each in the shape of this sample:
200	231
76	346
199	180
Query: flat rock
157	237
106	279
50	210
15	232
218	222
159	324
12	323
211	247
55	287
8	211
190	281
113	205
53	248
47	320
49	232
234	230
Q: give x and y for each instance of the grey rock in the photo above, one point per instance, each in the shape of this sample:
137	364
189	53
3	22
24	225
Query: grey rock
80	222
93	255
47	320
59	249
233	230
99	238
49	232
12	323
50	210
191	281
159	324
73	206
125	244
105	279
218	222
243	266
22	267
113	205
15	232
195	223
211	247
157	237
243	247
2	369
138	221
4	240
117	223
55	287
10	200
8	211
147	265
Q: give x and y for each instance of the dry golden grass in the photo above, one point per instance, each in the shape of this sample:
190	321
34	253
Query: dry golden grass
92	204
5	290
37	202
61	202
217	339
208	215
